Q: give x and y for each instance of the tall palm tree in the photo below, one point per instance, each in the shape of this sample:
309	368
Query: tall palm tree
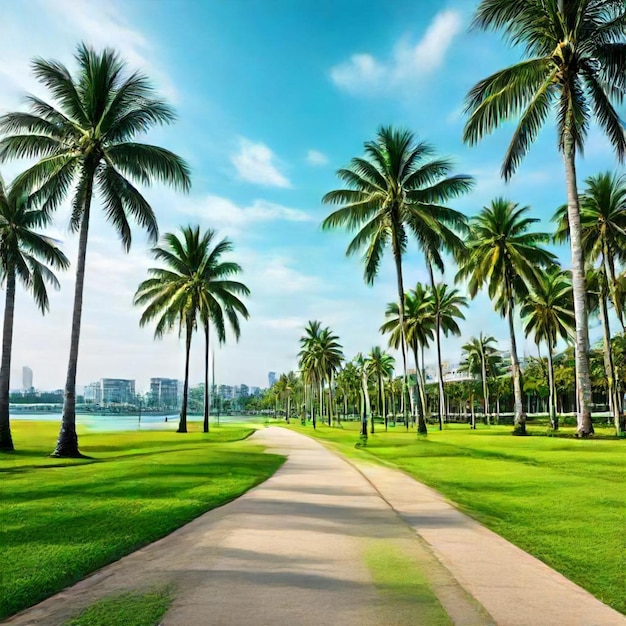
603	232
447	305
420	323
308	363
195	285
481	349
25	255
380	367
507	258
576	69
548	313
397	189
361	364
85	141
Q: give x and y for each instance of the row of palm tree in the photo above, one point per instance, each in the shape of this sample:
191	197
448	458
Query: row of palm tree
576	66
84	142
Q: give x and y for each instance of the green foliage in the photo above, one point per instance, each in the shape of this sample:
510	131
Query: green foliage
130	609
85	513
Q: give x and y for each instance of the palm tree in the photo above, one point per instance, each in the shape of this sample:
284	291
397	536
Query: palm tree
576	69
505	257
481	349
603	232
548	313
85	142
24	254
361	364
308	362
380	367
419	326
196	285
397	189
447	305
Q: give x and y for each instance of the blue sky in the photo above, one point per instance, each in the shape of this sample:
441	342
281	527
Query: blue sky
273	97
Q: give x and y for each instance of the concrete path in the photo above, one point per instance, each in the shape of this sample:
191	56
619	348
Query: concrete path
292	552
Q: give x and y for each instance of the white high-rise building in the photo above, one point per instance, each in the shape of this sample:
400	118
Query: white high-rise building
27	378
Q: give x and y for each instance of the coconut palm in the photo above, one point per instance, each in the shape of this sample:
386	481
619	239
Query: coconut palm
361	365
380	367
548	313
25	255
447	305
481	350
85	143
320	358
397	189
194	286
419	322
576	72
348	385
506	258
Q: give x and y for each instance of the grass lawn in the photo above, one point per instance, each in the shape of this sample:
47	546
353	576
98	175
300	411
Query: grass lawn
62	518
562	500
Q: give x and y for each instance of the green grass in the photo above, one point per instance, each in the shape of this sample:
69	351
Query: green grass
62	519
130	609
403	585
562	500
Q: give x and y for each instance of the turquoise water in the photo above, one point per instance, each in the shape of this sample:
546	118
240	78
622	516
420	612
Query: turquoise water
104	423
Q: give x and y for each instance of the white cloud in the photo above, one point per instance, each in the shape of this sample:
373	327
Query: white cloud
315	157
54	27
256	163
363	73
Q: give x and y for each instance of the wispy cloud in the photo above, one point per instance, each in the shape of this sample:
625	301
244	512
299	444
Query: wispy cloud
256	163
364	73
224	213
55	26
315	157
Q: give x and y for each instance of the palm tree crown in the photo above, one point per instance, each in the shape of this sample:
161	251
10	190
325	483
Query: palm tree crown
576	66
88	137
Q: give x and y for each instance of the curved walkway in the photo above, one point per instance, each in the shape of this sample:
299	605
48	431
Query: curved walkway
293	552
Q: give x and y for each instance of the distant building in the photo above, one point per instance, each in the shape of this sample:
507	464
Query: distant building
164	393
93	393
226	392
271	378
27	378
255	391
117	391
243	391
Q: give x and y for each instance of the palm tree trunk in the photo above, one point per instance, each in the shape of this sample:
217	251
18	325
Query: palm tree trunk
485	388
520	415
205	425
6	440
421	404
608	361
366	404
585	424
330	400
554	422
397	256
182	424
442	402
67	443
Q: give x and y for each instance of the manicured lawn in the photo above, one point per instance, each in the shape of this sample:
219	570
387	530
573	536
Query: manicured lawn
562	500
62	519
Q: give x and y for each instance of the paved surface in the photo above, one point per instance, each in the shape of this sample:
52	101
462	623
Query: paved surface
291	552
